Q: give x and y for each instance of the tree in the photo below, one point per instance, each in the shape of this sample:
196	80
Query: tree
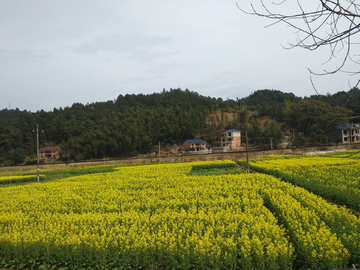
272	131
314	118
255	131
323	23
17	156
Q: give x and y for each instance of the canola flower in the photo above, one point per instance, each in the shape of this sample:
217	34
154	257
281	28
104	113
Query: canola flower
333	176
161	213
353	154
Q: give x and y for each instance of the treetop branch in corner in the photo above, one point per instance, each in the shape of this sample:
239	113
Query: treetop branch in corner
321	23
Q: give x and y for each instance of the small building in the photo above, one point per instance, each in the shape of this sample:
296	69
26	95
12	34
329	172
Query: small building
346	133
231	139
49	152
196	144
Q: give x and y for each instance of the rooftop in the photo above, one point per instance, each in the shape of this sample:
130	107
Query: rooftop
232	130
196	141
44	149
347	126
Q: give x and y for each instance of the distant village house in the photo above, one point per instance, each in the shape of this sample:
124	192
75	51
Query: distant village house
49	152
347	133
231	139
197	145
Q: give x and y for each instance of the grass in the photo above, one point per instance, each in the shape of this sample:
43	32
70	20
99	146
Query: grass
216	171
49	175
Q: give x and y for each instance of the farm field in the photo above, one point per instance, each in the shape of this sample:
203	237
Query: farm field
173	216
31	176
334	176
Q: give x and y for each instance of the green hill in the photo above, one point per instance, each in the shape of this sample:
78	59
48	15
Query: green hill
134	124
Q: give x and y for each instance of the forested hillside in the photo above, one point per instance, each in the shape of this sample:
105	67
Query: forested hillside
311	117
134	124
127	126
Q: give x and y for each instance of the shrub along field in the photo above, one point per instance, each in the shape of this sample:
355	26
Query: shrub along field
173	216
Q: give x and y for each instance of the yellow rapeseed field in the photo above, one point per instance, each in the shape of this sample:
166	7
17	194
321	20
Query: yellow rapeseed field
161	215
334	176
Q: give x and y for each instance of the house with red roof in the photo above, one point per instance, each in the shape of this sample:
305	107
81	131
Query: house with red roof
49	152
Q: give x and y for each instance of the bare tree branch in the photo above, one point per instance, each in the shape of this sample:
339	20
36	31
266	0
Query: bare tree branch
333	24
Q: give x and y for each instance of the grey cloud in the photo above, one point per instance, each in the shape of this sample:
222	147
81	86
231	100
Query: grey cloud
23	55
133	45
89	51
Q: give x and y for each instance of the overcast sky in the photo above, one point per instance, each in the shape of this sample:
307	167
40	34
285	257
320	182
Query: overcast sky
56	53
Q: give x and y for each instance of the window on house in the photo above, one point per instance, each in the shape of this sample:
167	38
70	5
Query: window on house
223	139
345	132
229	134
345	139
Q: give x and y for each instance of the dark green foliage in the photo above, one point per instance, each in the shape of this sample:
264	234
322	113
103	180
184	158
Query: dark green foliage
270	96
349	100
255	131
269	102
17	156
130	125
314	118
134	124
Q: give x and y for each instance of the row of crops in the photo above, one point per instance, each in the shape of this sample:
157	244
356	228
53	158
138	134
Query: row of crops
335	176
164	217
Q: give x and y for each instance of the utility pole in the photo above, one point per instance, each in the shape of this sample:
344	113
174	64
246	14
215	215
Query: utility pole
294	145
247	153
37	152
271	138
159	152
293	136
176	148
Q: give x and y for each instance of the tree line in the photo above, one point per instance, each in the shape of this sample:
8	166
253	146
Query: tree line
135	124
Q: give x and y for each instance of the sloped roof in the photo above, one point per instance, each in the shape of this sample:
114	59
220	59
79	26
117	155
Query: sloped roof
196	141
346	126
232	130
208	145
44	149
